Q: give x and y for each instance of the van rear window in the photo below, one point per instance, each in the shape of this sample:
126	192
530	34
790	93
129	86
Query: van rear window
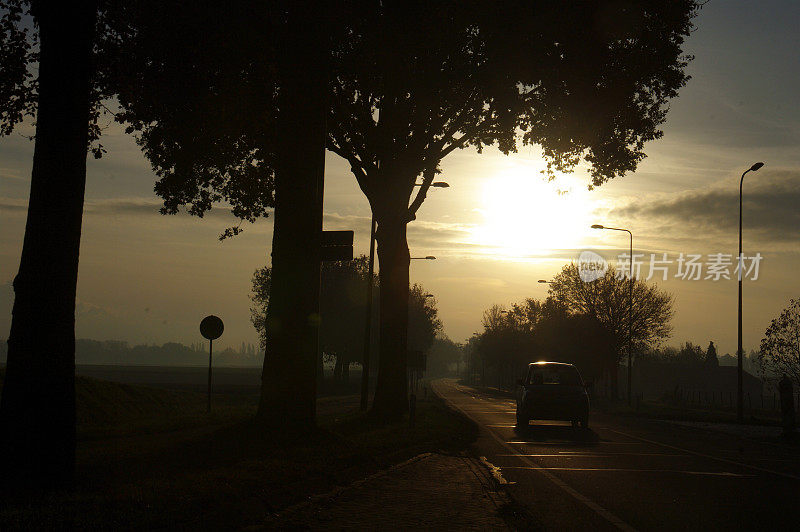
553	374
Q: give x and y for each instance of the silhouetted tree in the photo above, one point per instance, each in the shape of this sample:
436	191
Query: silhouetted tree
711	356
259	296
506	343
578	339
411	82
543	330
690	354
607	300
342	300
423	319
37	410
238	116
415	81
780	347
442	355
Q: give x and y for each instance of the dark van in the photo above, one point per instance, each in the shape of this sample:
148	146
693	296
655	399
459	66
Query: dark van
552	391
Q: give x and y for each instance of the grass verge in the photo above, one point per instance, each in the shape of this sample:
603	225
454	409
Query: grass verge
152	458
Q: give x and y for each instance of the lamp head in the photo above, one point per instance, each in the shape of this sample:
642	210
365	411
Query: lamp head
430	257
543	281
440	184
756	166
597	226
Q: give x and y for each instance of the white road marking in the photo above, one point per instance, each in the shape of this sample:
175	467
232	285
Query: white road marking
563	454
747	466
599	510
626	470
569	444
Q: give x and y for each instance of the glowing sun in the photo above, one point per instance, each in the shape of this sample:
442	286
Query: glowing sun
524	215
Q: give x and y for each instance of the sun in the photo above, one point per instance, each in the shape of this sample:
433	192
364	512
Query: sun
526	216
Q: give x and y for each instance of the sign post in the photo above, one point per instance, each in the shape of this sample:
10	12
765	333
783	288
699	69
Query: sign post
211	328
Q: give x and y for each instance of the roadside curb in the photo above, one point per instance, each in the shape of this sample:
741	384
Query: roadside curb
512	511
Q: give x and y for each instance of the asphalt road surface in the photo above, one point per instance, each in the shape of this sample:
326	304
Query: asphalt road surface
633	474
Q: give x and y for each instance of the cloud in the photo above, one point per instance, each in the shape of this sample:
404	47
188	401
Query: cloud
488	282
11	173
770	206
6	304
118	207
13	205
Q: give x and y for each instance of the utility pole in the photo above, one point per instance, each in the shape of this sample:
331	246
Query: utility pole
630	306
739	350
368	320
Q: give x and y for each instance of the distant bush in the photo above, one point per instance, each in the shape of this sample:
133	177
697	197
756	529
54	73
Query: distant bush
169	354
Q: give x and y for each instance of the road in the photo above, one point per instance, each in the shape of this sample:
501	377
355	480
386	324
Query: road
633	474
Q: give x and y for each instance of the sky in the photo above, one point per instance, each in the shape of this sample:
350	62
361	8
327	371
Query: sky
499	228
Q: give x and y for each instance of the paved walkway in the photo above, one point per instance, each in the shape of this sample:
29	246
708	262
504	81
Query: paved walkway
431	491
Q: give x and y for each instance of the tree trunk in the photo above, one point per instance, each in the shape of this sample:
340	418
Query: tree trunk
345	372
288	391
391	399
37	411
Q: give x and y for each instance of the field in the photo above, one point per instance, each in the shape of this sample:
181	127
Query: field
150	456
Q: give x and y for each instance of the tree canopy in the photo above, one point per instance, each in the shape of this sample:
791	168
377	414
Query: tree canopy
423	319
204	114
780	347
536	330
409	83
607	300
342	306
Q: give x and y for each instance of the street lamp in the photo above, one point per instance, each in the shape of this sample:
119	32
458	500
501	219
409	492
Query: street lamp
368	317
630	305
543	281
739	394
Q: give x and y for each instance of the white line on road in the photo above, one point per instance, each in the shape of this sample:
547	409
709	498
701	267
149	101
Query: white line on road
625	470
569	444
562	454
599	510
747	466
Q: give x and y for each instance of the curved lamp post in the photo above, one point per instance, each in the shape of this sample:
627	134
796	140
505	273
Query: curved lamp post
739	394
630	305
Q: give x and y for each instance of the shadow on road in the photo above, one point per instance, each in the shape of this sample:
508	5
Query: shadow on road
561	435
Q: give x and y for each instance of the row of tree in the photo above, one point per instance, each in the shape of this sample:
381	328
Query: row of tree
342	309
238	104
169	354
588	324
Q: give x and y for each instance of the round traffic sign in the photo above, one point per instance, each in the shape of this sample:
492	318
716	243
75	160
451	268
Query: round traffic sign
211	327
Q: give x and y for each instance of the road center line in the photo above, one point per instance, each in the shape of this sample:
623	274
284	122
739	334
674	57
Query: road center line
599	510
562	454
734	462
626	470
